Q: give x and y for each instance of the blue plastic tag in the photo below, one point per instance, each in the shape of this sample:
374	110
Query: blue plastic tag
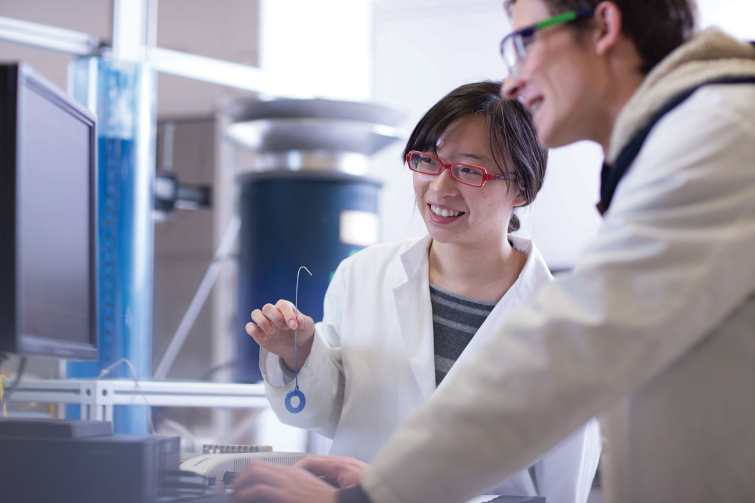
302	401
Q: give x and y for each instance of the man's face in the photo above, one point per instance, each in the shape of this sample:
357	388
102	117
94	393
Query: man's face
560	80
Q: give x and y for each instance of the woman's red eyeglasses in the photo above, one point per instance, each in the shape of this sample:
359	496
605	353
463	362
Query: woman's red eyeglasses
462	173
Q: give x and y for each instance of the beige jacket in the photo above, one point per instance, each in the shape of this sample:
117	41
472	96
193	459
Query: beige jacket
655	328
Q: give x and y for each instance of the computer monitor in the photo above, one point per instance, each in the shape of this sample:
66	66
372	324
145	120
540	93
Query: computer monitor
48	192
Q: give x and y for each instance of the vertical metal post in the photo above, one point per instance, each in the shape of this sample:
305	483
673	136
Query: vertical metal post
223	312
130	20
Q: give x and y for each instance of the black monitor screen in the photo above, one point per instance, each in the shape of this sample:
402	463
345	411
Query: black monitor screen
53	156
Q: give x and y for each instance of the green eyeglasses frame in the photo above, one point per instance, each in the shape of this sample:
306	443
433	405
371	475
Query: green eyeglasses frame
513	48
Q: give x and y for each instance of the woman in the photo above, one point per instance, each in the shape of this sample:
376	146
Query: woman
399	316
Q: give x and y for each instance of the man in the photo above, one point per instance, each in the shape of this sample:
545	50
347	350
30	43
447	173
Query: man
655	329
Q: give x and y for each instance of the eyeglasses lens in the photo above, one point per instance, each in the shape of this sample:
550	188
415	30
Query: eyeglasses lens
463	173
514	52
468	174
424	164
508	52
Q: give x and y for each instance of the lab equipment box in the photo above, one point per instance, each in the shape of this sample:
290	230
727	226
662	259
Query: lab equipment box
114	468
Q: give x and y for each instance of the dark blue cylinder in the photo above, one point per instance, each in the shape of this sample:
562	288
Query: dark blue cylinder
293	219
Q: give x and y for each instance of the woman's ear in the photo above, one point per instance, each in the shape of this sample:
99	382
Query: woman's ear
520	199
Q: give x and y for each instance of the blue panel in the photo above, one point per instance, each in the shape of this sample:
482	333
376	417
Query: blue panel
287	223
125	245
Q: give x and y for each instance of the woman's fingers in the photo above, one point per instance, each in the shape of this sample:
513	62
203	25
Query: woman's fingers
275	316
306	324
288	310
295	320
256	332
262	321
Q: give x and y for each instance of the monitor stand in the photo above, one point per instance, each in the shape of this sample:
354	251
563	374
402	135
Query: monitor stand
57	428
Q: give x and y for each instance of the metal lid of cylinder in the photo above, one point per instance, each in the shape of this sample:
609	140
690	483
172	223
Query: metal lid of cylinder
312	135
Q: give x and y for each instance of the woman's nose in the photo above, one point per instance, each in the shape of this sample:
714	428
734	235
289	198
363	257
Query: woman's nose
444	182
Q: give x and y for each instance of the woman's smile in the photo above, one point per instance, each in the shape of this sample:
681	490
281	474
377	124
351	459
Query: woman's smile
443	215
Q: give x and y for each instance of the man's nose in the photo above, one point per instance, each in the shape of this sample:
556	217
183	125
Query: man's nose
511	87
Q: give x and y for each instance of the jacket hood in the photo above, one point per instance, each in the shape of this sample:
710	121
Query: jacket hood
707	56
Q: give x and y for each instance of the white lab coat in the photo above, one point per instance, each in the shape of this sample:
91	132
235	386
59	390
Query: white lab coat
372	364
656	325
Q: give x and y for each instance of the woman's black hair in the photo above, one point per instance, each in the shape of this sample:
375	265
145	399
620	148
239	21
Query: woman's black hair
512	134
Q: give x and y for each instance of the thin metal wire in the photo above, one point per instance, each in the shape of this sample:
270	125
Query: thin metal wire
296	330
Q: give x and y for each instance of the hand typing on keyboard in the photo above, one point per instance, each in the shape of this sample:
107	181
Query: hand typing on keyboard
341	470
281	484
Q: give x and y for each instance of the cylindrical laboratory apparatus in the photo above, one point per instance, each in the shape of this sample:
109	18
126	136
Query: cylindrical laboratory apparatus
305	202
122	94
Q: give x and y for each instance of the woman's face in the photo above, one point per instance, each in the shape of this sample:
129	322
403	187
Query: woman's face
481	213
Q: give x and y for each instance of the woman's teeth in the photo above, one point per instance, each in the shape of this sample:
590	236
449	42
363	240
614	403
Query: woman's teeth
535	105
445	212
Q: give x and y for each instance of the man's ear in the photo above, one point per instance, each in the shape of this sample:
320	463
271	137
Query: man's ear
608	26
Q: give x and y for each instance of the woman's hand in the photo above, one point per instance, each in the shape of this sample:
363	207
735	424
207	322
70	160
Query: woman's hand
273	329
262	482
342	470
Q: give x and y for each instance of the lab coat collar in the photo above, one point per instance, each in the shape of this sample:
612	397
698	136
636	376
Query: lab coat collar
534	273
416	256
412	297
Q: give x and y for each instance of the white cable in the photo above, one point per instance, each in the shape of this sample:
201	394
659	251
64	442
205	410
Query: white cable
107	370
213	271
183	430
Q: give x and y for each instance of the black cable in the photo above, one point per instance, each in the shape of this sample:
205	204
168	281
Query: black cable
216	368
12	387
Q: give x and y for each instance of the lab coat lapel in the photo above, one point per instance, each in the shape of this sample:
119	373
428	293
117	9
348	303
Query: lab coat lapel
414	310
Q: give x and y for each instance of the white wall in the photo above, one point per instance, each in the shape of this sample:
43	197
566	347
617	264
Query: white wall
318	48
736	17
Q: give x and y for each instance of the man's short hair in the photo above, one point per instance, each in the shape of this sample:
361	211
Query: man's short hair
656	27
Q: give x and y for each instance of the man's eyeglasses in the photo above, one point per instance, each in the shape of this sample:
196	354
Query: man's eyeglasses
514	46
462	173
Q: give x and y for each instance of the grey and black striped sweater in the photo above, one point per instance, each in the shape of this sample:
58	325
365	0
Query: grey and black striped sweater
455	321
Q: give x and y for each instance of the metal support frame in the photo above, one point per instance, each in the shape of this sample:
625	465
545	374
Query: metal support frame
134	37
48	37
97	397
214	71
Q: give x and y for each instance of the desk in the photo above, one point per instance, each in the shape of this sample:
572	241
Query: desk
97	397
226	498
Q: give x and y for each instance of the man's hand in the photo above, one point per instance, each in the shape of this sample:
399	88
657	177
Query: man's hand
262	482
342	470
